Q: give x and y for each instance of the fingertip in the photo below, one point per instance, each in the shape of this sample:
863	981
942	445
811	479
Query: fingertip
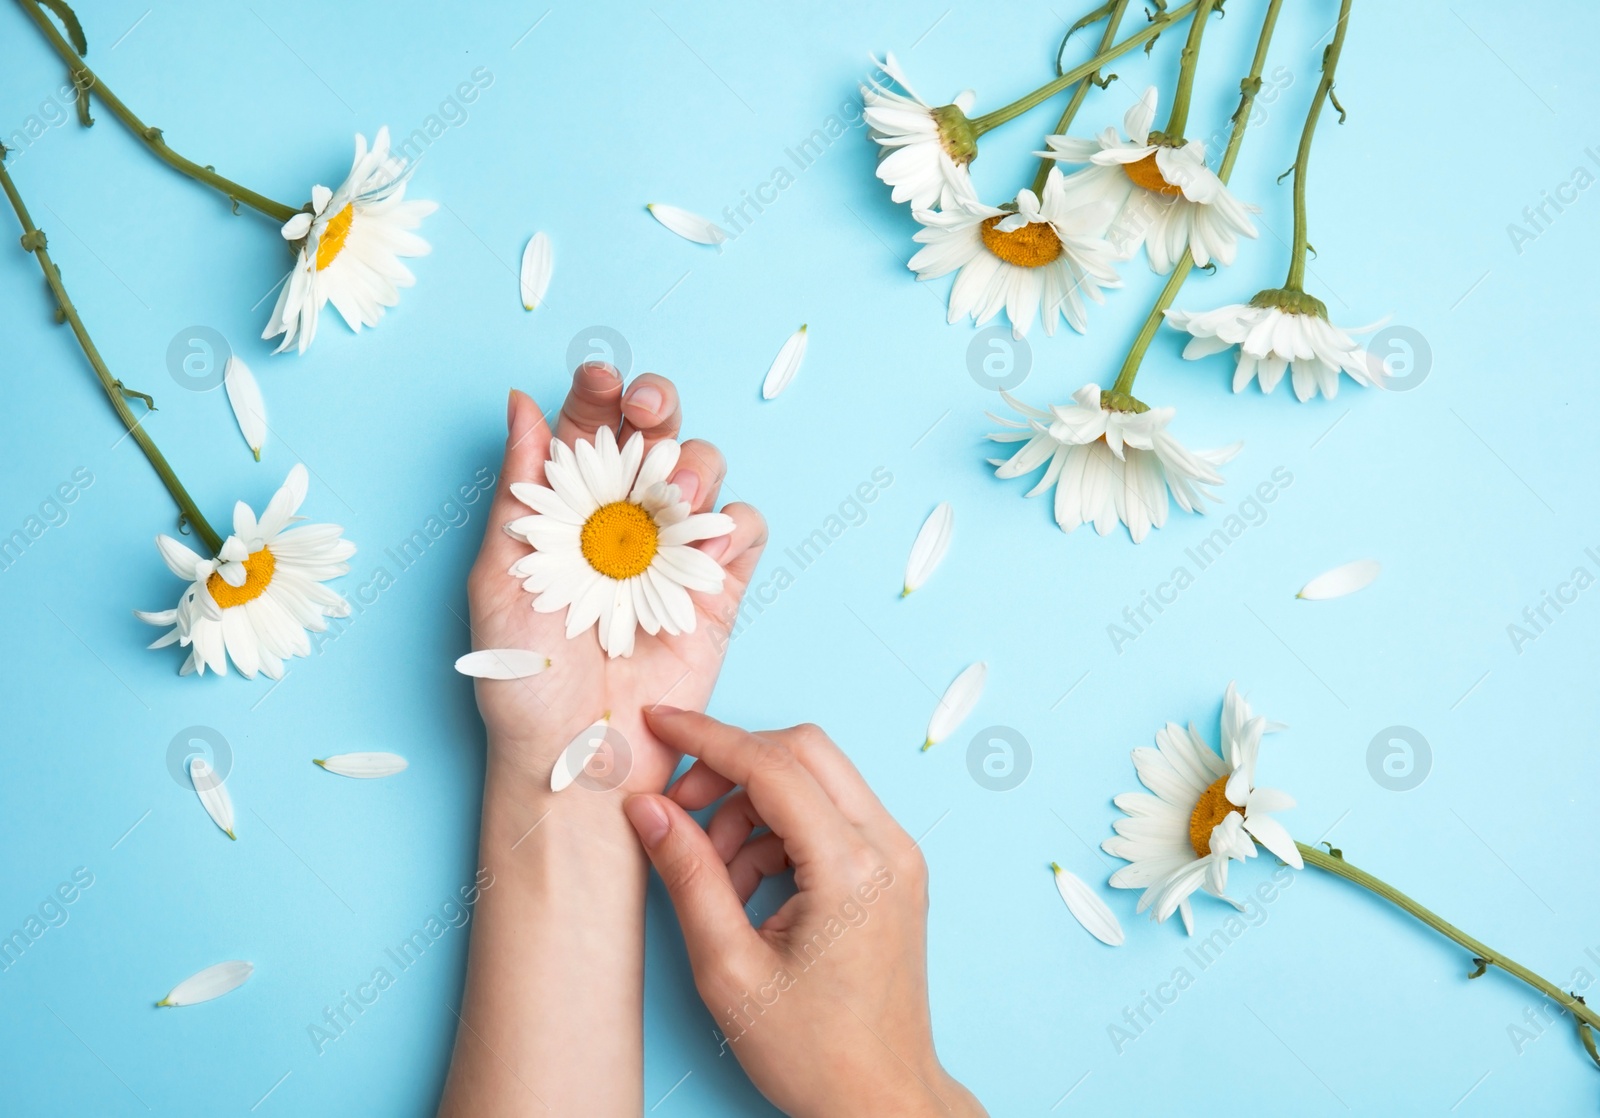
649	819
595	376
521	416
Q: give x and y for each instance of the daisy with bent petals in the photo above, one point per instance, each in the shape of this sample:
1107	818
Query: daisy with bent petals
1205	812
350	247
1110	458
614	540
925	150
1157	191
254	602
1040	259
1279	330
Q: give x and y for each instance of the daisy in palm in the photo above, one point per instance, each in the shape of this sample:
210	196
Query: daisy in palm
1204	812
255	602
613	541
349	247
924	150
1110	458
1155	190
1037	260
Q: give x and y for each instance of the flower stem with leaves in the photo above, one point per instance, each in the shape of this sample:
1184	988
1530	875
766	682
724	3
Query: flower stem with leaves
1121	394
34	241
1112	11
1178	116
1483	956
1330	64
86	81
1158	23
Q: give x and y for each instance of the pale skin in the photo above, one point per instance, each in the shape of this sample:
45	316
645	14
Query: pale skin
551	1021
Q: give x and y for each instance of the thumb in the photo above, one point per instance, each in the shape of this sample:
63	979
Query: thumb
527	444
716	930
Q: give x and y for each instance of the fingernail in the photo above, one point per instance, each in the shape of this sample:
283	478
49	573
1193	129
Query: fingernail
518	421
715	549
646	397
661	708
595	376
648	819
688	483
511	407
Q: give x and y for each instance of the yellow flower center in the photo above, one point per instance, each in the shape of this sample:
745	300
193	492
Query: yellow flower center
334	236
1213	808
1145	173
258	570
1032	246
619	540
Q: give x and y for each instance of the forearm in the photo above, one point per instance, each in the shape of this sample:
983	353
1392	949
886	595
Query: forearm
551	1021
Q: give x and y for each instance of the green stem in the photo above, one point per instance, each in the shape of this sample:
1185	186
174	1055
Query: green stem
86	80
33	240
1330	63
1248	88
1113	22
988	121
1178	117
1482	953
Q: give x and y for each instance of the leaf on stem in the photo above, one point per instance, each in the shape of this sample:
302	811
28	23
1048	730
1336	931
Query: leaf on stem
69	20
1481	964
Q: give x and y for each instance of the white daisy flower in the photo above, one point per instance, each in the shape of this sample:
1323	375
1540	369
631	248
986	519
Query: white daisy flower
255	601
1110	458
1279	330
1206	812
614	541
350	247
925	150
1040	259
1158	192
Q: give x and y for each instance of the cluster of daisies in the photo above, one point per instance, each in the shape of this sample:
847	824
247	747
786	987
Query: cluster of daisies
1055	248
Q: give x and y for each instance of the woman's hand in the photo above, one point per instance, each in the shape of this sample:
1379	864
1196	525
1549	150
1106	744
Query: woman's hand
826	1004
530	721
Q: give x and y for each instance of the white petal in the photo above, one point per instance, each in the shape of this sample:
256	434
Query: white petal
248	408
785	365
1341	581
1087	908
932	541
210	983
536	265
689	226
959	699
577	754
502	663
213	797
364	766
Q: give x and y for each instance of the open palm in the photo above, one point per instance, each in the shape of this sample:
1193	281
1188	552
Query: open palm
531	720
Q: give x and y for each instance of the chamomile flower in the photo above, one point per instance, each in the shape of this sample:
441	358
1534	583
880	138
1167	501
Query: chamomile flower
1205	812
1157	192
1040	259
925	149
349	247
613	541
254	603
1276	331
1110	458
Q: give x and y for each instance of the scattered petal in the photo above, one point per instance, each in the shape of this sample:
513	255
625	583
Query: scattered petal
210	983
363	766
933	540
502	663
959	699
785	365
213	795
536	266
1341	581
578	753
691	227
1087	908
248	407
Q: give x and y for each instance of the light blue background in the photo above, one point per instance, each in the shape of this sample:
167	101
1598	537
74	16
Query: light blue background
1475	490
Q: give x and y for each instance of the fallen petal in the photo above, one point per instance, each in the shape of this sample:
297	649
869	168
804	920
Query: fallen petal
689	226
570	765
785	365
932	541
959	699
1341	581
213	795
536	267
502	663
1087	908
244	394
363	766
210	983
